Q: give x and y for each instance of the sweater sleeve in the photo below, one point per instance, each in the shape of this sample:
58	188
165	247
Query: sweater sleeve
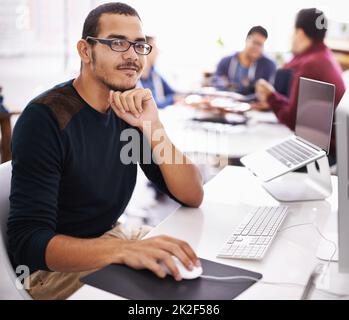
37	150
269	71
285	108
152	170
220	78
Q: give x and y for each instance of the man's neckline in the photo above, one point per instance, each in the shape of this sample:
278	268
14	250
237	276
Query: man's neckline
103	114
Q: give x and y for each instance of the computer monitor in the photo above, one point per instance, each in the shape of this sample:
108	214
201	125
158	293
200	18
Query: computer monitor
342	144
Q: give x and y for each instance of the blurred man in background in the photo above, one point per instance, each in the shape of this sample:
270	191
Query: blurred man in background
163	93
240	71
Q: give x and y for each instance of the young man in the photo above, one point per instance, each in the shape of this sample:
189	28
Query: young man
70	182
240	71
164	95
312	59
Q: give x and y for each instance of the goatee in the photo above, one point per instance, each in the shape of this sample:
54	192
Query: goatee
117	88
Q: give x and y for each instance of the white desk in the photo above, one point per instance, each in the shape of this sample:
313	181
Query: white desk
291	257
233	141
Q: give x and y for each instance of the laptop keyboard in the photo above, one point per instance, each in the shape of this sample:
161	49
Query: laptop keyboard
290	153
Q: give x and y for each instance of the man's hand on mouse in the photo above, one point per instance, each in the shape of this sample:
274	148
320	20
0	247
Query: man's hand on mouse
150	253
135	106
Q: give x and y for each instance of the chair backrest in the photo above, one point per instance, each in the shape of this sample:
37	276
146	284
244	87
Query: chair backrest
8	289
283	80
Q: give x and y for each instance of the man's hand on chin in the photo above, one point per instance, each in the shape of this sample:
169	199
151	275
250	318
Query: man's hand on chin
136	107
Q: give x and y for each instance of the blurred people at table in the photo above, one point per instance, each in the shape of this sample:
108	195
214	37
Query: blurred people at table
312	59
240	71
163	93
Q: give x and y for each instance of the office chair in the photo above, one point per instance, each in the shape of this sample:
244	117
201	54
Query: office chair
282	81
8	289
5	135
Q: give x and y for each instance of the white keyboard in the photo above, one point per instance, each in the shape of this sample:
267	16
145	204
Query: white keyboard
251	239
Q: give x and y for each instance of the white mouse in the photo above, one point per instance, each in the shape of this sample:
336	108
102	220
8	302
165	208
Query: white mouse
183	271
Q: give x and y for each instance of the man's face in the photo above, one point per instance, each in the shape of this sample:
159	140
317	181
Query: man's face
297	41
119	71
254	46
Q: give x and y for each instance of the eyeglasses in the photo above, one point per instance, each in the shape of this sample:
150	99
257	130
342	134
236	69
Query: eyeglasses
122	45
255	43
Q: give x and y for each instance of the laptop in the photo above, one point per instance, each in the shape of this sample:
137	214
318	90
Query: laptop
312	137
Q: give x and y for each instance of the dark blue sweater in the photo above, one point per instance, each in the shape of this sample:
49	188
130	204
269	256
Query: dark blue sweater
264	68
67	175
167	94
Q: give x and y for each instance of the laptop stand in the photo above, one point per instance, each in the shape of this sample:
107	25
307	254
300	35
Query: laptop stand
293	186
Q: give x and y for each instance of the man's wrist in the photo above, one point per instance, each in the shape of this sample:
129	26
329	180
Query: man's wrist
117	251
157	125
271	91
149	128
270	96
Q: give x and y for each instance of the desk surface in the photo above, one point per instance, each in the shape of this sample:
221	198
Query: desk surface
232	141
228	196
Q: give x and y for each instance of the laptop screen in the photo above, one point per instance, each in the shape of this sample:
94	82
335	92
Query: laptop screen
315	112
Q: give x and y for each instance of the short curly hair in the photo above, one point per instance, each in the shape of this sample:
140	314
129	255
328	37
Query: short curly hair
258	29
91	24
313	22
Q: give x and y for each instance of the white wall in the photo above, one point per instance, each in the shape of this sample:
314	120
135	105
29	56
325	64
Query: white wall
187	32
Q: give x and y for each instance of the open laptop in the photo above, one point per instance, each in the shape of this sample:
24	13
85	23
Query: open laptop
312	135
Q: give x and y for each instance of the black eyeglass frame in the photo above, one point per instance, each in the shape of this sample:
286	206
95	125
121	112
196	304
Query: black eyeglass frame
109	42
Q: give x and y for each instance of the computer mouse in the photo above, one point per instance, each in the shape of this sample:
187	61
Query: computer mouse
184	272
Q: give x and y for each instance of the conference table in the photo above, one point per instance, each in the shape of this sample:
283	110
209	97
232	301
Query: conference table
224	140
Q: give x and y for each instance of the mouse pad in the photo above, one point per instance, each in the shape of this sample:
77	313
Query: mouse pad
144	285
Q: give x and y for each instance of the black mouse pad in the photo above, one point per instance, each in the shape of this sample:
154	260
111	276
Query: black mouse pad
144	285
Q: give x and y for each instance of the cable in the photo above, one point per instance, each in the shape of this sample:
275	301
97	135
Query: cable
338	295
321	235
250	278
324	272
229	278
208	277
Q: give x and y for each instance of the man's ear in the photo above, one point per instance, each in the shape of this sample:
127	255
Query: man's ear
84	51
301	34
